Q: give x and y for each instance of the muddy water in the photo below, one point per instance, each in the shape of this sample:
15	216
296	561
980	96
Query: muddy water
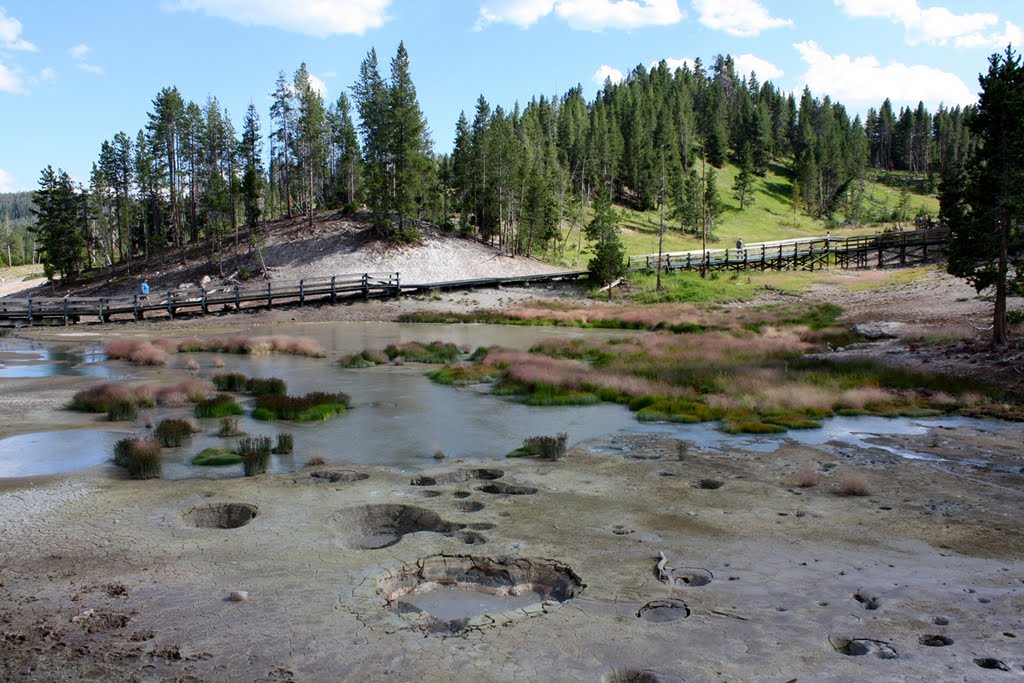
42	453
399	418
449	603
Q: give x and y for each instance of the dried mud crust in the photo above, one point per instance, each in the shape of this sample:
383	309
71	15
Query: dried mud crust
930	540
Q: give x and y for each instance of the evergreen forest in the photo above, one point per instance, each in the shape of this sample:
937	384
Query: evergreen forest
521	177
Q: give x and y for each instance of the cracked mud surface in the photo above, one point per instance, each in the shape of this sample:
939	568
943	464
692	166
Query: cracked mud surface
102	578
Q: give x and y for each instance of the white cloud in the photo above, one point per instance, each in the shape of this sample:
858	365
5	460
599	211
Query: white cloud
10	34
673	63
743	18
47	74
521	13
582	15
934	25
10	80
319	18
605	72
864	80
80	53
765	70
6	182
318	85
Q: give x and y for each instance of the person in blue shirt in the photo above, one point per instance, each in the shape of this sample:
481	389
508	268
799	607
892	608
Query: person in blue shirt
144	291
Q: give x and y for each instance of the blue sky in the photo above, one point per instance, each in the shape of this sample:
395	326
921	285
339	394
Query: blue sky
73	74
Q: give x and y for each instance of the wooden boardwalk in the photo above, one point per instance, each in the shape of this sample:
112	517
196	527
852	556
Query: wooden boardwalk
866	251
202	300
881	250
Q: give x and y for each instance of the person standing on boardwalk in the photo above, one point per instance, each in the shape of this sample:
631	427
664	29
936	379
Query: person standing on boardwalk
144	291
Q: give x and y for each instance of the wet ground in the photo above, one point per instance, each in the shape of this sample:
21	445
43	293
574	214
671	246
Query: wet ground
698	558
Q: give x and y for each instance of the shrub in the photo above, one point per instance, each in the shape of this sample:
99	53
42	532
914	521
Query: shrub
216	457
364	359
285	443
190	364
462	375
807	477
122	409
141	457
229	427
173	432
853	485
255	453
220	405
545	447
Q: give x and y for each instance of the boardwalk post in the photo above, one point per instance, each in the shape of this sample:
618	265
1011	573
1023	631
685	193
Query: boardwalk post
366	287
237	302
30	312
204	300
270	300
170	304
65	311
398	284
135	307
302	292
334	290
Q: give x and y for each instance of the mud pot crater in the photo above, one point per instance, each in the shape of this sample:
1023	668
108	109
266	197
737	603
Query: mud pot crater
458	477
369	527
447	594
220	515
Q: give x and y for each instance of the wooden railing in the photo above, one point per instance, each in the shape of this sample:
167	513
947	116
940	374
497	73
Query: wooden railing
203	300
879	250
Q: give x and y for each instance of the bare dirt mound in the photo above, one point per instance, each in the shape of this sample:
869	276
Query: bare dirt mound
292	250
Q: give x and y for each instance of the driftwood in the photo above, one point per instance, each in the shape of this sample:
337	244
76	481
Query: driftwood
664	571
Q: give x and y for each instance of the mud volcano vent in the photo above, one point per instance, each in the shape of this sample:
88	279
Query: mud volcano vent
367	527
450	593
220	515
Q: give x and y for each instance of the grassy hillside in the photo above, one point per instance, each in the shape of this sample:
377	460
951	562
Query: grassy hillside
769	217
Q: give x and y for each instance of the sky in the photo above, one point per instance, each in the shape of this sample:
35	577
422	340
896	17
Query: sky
73	74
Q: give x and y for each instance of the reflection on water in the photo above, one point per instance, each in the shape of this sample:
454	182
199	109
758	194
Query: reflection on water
29	455
851	432
20	359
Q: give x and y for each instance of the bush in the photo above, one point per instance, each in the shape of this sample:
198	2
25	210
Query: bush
255	454
544	447
141	457
853	485
364	359
172	432
122	409
229	427
285	443
220	405
807	477
216	457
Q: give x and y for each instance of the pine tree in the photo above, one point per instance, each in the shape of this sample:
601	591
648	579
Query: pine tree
609	260
984	203
59	224
282	114
345	153
742	187
251	150
409	146
371	95
310	135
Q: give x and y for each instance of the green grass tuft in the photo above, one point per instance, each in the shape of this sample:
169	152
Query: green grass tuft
216	457
220	405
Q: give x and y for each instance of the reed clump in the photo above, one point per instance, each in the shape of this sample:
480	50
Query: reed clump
543	447
285	443
229	427
255	454
221	405
435	352
313	407
172	432
142	458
